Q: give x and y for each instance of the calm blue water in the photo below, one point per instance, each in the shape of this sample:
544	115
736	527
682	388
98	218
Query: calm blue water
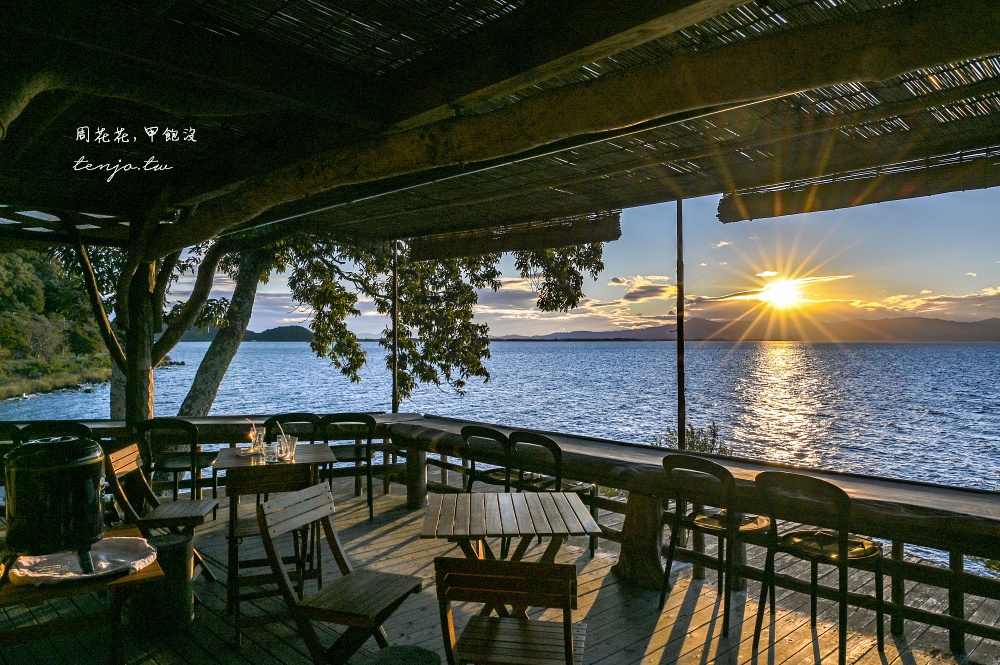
918	411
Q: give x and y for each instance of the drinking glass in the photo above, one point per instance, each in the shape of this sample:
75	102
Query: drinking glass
257	440
271	451
286	446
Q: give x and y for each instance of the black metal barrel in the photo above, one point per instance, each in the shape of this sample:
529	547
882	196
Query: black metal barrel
54	492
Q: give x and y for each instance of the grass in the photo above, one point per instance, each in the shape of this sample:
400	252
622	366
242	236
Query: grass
27	377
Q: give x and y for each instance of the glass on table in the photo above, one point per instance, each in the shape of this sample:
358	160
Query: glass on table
270	451
286	446
257	440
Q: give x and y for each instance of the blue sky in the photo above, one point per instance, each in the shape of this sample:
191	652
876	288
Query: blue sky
933	256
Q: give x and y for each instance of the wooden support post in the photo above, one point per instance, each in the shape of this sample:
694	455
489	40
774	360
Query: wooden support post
416	478
898	589
444	471
681	403
956	605
639	559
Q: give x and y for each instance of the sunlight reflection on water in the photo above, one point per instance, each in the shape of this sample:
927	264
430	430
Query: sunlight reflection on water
918	411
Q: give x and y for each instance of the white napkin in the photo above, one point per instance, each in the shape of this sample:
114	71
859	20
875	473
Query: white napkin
110	555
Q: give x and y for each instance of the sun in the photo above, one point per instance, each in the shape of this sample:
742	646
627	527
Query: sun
781	294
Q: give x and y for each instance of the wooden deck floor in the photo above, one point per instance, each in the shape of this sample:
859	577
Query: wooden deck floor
624	625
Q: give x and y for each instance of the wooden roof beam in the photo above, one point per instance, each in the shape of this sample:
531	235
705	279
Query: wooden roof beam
217	64
980	173
535	43
882	44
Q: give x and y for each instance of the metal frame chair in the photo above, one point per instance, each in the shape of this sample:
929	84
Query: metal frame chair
816	502
362	599
343	426
527	452
689	477
495	476
159	435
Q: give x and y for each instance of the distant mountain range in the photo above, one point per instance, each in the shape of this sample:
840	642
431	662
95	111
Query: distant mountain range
279	334
908	329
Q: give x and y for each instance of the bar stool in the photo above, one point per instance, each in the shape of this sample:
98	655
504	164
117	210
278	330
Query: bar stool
696	478
823	505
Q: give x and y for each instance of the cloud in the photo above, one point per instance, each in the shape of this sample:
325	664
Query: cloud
722	243
643	288
926	292
971	274
703	265
976	306
767	273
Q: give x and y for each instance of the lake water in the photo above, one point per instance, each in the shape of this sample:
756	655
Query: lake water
917	411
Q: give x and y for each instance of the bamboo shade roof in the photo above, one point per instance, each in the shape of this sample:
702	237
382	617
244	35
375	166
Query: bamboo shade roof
379	120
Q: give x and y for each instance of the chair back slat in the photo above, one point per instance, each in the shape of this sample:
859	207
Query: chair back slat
532	451
347	426
305	426
124	461
479	440
796	497
498	582
294	510
160	434
271	479
693	477
125	466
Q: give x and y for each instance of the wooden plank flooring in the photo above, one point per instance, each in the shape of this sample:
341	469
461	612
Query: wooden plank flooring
624	625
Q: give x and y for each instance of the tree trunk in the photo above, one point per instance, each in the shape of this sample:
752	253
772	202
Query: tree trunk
139	345
216	361
118	382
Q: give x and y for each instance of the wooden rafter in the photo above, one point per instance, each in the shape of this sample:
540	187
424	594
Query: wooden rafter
263	77
885	44
564	35
855	191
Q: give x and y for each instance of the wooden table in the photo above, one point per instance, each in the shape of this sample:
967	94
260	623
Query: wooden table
250	474
962	521
120	587
469	519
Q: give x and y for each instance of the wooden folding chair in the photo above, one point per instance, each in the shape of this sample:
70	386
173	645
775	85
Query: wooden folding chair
361	600
510	640
256	481
124	468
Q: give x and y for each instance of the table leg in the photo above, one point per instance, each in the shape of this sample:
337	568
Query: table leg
639	560
553	548
233	571
522	547
416	478
118	598
470	549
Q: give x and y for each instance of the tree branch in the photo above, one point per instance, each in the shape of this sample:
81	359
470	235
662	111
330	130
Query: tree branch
162	283
97	305
192	308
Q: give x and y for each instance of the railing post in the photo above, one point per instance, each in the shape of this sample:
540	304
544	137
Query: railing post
898	589
956	604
